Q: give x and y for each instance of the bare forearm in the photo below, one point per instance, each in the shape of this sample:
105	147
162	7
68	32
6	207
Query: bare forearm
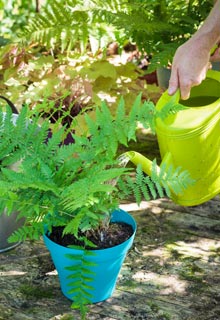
209	33
191	60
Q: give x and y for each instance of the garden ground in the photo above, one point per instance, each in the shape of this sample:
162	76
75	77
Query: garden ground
172	271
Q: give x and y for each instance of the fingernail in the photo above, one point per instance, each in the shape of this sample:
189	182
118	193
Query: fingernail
185	97
171	91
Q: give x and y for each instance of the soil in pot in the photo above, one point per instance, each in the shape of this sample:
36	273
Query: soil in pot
115	234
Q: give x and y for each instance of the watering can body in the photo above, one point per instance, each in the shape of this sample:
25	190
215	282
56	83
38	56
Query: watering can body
191	139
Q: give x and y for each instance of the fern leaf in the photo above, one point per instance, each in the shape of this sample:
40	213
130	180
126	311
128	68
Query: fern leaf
25	232
80	282
172	107
73	226
149	189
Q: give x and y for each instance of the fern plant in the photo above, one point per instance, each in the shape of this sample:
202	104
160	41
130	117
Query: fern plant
75	186
157	27
72	25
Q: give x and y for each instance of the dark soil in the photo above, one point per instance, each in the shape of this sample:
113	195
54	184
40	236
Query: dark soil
115	234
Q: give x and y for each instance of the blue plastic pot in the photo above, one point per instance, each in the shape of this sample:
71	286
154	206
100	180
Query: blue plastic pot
105	263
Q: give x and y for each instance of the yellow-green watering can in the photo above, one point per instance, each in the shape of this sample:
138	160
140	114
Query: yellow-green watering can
191	139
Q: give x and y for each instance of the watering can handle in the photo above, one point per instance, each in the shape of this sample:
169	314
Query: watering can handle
167	100
175	98
11	105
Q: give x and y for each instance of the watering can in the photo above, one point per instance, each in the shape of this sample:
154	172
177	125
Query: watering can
190	139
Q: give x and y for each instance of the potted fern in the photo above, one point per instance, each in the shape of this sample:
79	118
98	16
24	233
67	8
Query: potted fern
71	194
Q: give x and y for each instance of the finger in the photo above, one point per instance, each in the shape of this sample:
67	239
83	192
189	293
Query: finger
174	82
185	91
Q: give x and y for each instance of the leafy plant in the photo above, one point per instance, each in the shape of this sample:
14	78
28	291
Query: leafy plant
28	75
73	24
158	27
76	186
14	15
47	187
58	56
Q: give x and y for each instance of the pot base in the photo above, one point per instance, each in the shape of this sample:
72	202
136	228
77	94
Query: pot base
10	247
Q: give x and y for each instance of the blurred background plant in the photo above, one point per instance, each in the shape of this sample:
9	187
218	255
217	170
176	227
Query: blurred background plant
63	52
80	52
158	27
14	15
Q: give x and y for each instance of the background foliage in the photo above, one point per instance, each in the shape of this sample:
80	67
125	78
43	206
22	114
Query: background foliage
61	52
158	27
14	15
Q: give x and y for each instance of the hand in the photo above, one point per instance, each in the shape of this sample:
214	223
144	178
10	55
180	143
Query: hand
189	67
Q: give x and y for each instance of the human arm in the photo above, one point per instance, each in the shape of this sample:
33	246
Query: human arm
191	60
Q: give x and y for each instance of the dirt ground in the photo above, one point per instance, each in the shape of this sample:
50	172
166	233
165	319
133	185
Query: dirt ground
172	271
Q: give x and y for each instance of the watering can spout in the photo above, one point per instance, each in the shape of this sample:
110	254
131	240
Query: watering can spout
146	164
138	159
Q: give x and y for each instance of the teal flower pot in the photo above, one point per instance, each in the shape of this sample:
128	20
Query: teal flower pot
102	266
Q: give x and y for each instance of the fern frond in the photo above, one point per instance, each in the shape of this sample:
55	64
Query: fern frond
67	25
170	179
26	232
179	180
163	56
80	276
119	122
73	226
121	128
170	108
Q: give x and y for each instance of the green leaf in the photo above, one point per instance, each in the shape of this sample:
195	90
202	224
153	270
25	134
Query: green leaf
100	68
